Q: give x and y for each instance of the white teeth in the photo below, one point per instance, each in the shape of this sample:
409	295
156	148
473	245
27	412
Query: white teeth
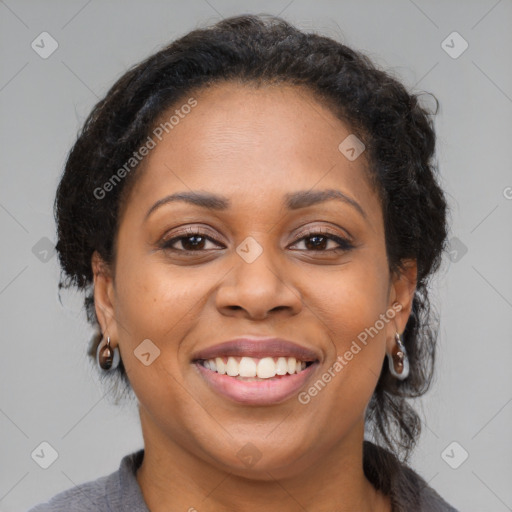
281	366
232	367
248	367
221	367
266	368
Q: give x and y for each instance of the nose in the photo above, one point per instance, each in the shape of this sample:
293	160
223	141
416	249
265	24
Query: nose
255	290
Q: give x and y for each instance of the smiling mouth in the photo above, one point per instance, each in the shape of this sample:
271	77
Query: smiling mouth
255	369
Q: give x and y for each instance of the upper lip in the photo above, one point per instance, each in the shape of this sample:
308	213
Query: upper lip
257	348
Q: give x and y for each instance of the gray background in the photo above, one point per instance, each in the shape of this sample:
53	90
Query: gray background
49	391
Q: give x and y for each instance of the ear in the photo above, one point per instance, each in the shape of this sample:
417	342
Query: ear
401	295
104	297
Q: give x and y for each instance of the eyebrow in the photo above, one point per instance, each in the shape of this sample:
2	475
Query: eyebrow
292	201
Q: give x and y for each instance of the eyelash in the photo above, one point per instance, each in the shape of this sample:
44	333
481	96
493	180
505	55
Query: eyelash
344	243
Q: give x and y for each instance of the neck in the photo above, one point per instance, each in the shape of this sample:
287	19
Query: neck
172	478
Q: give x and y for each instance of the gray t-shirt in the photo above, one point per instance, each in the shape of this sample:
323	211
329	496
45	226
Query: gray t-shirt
120	491
117	492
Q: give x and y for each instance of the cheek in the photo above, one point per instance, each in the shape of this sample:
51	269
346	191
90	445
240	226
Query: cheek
351	297
163	303
153	295
352	312
160	303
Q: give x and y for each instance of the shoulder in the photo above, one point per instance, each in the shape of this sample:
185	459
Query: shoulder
111	493
407	489
87	496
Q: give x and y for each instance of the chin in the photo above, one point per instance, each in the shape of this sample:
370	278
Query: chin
264	463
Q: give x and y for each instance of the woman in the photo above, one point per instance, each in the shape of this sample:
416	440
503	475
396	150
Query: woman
254	216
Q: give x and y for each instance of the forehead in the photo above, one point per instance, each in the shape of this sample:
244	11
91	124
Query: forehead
255	143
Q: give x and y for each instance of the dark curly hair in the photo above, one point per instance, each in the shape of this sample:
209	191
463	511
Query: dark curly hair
395	128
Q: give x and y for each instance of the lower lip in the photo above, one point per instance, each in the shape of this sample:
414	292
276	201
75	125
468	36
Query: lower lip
264	392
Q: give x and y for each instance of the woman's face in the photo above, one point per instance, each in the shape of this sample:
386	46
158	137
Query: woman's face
272	256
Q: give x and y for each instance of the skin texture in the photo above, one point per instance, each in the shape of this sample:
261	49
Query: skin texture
252	145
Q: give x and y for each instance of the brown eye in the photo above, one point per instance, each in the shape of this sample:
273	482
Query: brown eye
320	242
189	243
